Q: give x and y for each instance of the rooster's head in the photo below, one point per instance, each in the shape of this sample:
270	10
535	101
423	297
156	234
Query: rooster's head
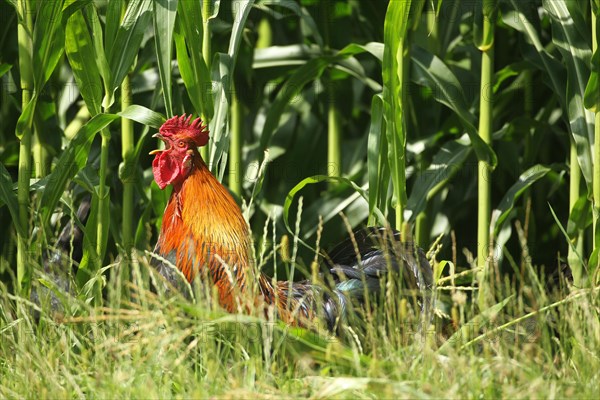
182	136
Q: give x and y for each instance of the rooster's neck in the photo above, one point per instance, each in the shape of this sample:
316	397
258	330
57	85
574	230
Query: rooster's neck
204	232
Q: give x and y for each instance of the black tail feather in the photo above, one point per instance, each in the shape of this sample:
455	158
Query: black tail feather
365	259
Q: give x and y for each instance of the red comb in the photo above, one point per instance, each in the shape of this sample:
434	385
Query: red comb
184	128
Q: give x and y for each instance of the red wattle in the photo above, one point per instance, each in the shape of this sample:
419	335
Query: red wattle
165	169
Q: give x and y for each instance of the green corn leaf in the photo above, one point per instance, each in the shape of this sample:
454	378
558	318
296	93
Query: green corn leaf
114	15
591	98
526	179
226	68
394	75
580	217
9	198
48	40
82	59
91	260
523	18
374	48
123	51
164	22
4	68
576	55
194	72
26	118
72	159
214	9
72	6
143	115
292	87
430	71
376	168
290	55
100	55
444	166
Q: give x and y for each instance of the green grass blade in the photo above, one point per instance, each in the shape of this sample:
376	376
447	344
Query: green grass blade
289	199
164	22
469	330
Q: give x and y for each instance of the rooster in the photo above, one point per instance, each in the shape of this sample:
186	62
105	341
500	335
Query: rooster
205	235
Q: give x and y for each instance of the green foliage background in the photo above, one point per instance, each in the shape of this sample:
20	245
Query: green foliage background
369	108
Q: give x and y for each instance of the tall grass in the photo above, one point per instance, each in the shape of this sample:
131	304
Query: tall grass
440	112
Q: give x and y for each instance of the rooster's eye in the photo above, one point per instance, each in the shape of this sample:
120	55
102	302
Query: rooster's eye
181	143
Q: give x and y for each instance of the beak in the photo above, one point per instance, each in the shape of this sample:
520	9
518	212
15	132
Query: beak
159	136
